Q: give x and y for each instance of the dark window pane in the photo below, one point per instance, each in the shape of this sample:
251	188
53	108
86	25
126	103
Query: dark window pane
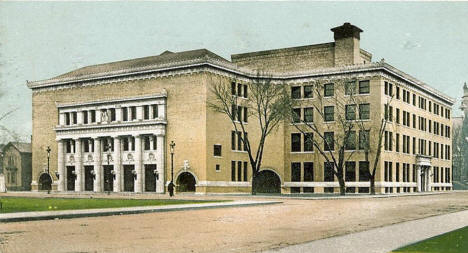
350	88
296	92
296	142
296	115
350	175
308	171
308	142
309	114
217	150
329	141
350	143
364	87
295	172
350	112
328	172
329	90
364	171
329	112
233	170
308	93
364	111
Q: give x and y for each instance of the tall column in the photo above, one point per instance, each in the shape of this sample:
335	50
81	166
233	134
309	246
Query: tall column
118	113
61	166
97	165
62	119
418	177
139	112
117	164
162	111
78	166
98	116
138	164
150	112
79	117
430	179
160	164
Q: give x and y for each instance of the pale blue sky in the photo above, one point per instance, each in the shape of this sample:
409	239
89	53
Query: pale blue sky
42	39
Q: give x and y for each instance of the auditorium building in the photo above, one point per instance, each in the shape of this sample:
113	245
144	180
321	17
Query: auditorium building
110	126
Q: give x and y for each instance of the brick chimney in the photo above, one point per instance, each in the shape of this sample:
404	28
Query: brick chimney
347	49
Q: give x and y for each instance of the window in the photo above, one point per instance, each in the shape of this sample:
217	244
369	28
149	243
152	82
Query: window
397	142
233	88
308	93
308	142
414	99
329	141
239	140
233	170
133	112
85	145
239	90
397	115
309	114
239	113
328	172
246	115
364	87
85	117
146	112
296	92
296	142
155	111
295	172
386	88
125	144
112	114
218	168
397	92
239	171
364	139
388	113
147	145
364	173
414	120
246	136
217	150
329	112
308	171
245	170
124	114
364	111
75	117
233	140
350	143
296	115
93	115
329	90
350	88
245	91
350	112
350	175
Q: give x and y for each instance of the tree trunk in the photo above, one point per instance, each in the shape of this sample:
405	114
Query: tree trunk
254	183
342	186
372	185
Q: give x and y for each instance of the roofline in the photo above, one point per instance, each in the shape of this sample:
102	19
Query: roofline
279	50
232	68
11	143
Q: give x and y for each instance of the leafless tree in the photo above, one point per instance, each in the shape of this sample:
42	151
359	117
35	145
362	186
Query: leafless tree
266	101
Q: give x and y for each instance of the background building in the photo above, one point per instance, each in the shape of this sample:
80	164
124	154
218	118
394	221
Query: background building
460	145
16	166
110	125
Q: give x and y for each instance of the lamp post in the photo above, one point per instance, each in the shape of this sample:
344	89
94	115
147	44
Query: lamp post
48	159
172	145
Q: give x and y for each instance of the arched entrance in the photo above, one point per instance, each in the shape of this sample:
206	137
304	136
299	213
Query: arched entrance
45	182
185	182
268	182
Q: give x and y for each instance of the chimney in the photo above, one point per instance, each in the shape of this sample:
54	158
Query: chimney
347	49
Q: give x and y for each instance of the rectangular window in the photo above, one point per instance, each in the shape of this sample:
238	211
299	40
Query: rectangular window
239	113
364	111
125	143
124	114
75	117
350	143
364	173
308	93
93	116
364	139
386	88
308	171
112	114
414	99
246	136
296	115
296	142
397	92
233	170
85	117
155	111
233	140
397	172
217	168
233	88
245	91
309	114
146	112
397	142
364	87
350	175
239	140
350	112
245	170
328	172
329	141
308	142
397	115
414	120
217	150
246	115
147	145
133	112
295	172
239	91
329	112
350	88
239	171
296	92
329	90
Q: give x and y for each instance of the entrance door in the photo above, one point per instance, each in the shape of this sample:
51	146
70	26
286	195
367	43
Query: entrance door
150	178
423	179
129	183
268	182
70	178
45	182
186	182
108	178
88	178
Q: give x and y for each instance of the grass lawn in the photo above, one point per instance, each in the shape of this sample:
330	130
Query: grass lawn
20	204
452	242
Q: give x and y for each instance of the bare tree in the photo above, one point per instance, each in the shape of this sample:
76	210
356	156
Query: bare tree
266	101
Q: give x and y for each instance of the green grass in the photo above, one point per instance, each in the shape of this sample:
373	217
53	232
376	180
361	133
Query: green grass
20	204
452	242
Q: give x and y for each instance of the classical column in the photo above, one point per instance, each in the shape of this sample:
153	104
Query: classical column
160	164
78	166
430	179
98	116
117	164
418	177
97	165
118	113
138	164
150	114
62	119
61	166
139	112
79	117
162	111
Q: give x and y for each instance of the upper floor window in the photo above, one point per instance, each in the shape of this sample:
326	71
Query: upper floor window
364	87
296	142
124	114
308	142
217	150
329	90
350	88
329	113
309	114
296	92
146	110
329	141
85	117
364	111
308	91
296	115
155	111
350	112
93	116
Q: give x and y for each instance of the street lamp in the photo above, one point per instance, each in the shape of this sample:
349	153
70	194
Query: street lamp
172	146
48	159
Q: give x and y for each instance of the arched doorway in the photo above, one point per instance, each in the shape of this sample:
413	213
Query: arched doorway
268	182
45	182
185	182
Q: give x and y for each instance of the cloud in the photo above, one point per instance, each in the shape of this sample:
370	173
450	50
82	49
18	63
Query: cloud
409	43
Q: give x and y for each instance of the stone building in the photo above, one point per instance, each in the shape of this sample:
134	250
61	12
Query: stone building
16	165
460	144
110	125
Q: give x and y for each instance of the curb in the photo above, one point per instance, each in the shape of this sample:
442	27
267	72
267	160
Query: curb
70	214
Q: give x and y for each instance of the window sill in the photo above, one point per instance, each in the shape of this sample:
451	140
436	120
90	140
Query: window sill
302	152
218	157
239	151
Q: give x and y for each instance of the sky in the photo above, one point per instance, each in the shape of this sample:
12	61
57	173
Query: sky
40	40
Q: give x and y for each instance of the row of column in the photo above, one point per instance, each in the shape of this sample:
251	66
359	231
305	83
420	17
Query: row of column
117	165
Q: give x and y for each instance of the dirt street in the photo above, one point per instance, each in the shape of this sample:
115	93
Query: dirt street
244	229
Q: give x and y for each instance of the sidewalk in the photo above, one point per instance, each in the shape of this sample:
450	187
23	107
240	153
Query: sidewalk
67	214
384	239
